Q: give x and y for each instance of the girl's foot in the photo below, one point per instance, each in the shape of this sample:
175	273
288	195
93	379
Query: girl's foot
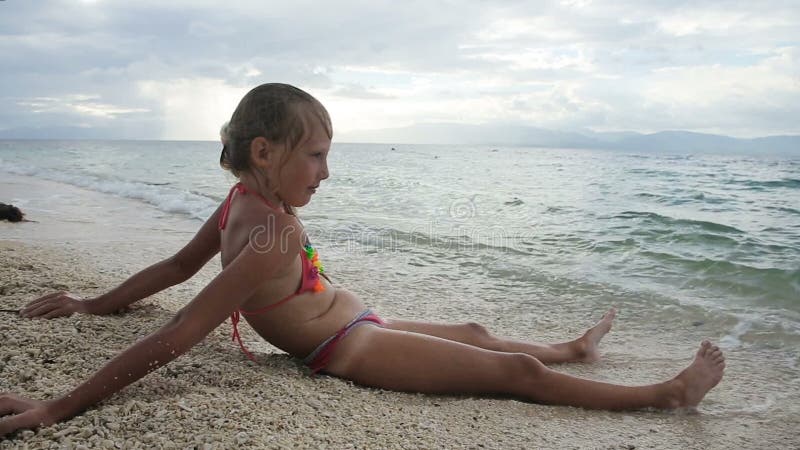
705	372
586	347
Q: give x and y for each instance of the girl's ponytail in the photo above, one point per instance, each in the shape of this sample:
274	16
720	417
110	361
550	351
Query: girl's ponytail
225	156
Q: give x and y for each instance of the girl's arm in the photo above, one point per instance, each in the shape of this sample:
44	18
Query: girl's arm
169	272
236	283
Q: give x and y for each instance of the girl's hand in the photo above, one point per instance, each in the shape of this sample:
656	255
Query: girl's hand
19	413
53	305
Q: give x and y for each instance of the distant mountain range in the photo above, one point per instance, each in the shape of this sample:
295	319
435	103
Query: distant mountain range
665	141
495	135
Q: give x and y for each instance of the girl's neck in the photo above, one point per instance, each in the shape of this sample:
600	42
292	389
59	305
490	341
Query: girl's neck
252	184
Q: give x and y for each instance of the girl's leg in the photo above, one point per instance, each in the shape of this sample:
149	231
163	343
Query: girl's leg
413	362
582	349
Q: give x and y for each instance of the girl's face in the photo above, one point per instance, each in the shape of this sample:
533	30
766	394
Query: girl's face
306	167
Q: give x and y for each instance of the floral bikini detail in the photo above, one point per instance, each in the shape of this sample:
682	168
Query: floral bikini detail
316	269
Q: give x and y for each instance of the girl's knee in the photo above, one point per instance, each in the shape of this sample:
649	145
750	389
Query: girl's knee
481	337
477	330
523	364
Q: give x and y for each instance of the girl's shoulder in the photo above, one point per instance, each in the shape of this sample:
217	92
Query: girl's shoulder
266	219
263	228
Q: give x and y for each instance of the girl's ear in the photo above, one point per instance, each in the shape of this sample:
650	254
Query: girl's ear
263	153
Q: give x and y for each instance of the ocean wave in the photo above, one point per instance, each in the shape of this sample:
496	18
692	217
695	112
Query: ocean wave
701	241
161	195
791	183
704	239
658	219
762	327
778	287
701	236
615	245
708	265
672	200
659	198
561	209
559	243
668	174
783	209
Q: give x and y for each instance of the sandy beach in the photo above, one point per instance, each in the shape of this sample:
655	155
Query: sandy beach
213	397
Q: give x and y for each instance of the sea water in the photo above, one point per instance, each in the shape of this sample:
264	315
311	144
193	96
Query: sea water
694	236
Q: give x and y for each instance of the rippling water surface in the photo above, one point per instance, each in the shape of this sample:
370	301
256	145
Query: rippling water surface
711	236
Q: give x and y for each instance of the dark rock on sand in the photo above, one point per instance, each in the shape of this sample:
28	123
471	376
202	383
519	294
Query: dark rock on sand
10	213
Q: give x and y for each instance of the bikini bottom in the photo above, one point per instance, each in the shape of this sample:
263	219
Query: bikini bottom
320	357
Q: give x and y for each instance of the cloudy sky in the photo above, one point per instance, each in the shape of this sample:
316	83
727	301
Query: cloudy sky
150	69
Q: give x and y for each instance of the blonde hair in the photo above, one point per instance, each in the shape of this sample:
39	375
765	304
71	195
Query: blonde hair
279	113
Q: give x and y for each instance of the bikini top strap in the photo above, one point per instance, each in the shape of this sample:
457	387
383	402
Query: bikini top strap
244	190
226	208
240	188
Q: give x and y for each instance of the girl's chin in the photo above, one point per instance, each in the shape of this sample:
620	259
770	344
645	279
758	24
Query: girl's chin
299	202
298	199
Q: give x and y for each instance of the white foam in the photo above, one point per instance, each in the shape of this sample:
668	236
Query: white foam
165	198
732	340
766	405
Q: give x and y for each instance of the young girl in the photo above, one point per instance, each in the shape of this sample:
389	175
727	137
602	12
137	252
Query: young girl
277	143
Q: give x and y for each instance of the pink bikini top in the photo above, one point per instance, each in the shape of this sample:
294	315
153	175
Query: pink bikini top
312	267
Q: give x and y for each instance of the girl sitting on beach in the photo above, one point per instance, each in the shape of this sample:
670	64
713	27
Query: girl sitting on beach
277	143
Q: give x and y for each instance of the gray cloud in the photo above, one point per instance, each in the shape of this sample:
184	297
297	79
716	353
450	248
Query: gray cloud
564	64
